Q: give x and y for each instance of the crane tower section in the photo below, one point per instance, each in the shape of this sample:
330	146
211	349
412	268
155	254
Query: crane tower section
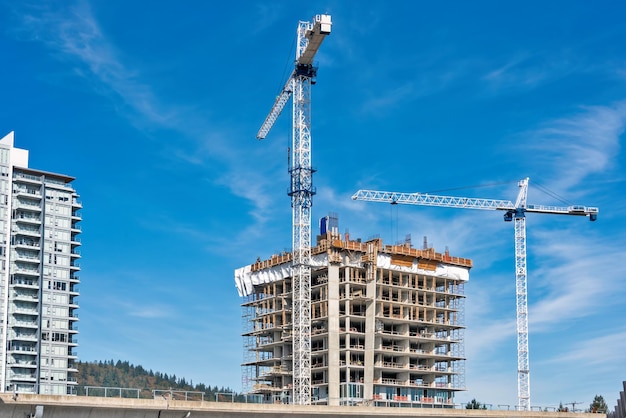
309	38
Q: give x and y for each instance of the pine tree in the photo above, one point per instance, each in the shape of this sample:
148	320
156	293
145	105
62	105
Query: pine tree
474	404
598	405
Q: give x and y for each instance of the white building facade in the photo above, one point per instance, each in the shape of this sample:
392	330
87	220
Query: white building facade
39	241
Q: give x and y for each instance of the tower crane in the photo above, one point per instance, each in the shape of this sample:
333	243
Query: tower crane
310	36
512	212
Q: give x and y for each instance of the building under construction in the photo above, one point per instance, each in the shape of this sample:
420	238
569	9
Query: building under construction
387	323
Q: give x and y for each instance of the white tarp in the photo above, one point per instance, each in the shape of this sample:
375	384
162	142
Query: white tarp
245	279
451	272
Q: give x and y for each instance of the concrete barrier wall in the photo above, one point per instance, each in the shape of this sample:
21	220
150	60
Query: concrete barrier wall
25	406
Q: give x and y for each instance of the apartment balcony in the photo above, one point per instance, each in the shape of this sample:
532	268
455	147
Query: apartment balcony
26	271
74	266
26	178
25	310
390	365
22	377
73	342
22	349
26	243
76	203
28	232
28	205
353	346
391	334
22	363
24	324
75	228
391	347
388	381
25	337
28	193
352	330
27	218
29	258
20	282
26	297
429	336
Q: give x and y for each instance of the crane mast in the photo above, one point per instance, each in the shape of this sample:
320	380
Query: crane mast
310	36
514	212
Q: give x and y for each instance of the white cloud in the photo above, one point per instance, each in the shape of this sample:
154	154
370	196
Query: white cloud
388	99
74	35
606	351
576	275
575	147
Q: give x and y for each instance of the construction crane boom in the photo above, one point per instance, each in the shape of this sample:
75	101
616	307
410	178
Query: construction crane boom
424	199
310	36
514	211
312	39
279	104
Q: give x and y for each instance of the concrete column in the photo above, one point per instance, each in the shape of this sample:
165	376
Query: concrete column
333	334
370	336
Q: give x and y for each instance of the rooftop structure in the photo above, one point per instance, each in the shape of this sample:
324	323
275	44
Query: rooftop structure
386	323
38	276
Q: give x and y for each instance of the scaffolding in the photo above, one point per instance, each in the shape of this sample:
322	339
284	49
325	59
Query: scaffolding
387	324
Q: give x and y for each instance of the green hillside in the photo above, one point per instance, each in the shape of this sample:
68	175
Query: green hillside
122	374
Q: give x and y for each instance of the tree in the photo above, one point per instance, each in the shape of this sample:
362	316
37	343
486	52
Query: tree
474	404
598	405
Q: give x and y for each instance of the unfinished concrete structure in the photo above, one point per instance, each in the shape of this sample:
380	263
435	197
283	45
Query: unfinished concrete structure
386	324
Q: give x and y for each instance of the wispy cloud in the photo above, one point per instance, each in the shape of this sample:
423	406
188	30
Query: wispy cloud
517	71
576	275
599	351
388	99
150	312
73	35
577	146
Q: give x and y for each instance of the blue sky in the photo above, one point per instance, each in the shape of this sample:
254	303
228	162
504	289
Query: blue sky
155	109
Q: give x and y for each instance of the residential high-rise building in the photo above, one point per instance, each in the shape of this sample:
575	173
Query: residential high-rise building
387	323
38	276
